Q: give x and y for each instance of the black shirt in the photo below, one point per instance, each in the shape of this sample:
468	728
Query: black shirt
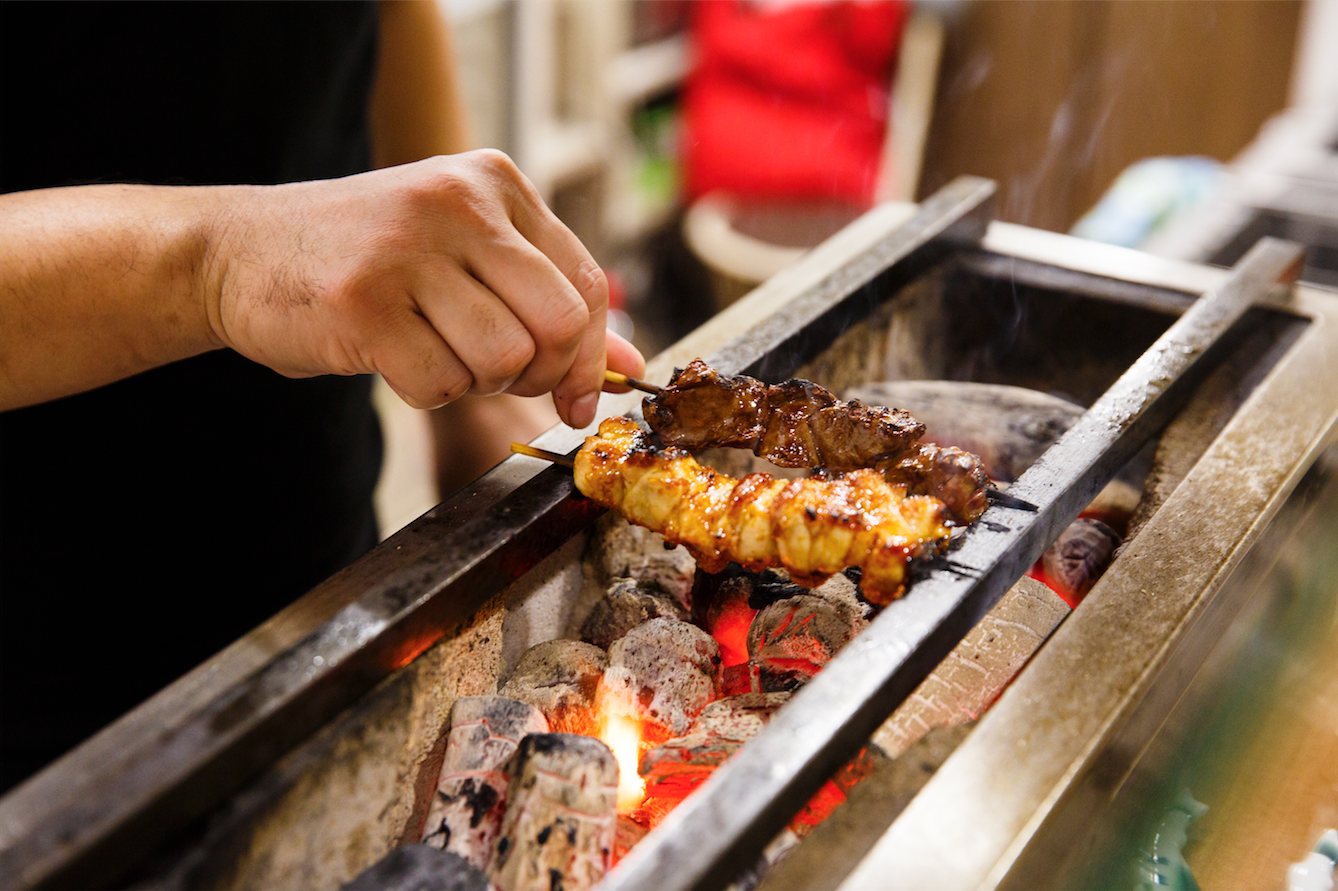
147	524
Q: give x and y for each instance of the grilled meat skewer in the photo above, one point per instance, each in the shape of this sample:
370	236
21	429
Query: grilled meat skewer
801	424
813	527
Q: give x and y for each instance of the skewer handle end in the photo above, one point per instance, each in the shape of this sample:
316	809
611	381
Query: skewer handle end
623	380
521	448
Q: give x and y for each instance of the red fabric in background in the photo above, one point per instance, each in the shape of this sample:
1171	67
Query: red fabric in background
789	101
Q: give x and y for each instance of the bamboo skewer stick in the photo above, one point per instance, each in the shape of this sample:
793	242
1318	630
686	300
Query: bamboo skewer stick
623	380
521	449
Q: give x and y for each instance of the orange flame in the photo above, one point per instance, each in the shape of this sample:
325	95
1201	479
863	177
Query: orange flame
623	735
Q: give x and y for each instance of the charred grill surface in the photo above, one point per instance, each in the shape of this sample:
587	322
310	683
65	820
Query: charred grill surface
813	527
801	424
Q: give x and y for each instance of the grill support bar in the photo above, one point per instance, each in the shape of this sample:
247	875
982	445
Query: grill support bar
722	828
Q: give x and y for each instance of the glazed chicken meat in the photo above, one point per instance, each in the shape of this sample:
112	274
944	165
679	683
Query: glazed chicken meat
814	528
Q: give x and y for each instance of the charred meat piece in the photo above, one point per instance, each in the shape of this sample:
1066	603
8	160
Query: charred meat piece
792	424
955	477
700	408
813	527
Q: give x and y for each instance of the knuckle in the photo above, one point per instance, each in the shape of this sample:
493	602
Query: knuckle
453	383
506	363
565	323
592	283
496	162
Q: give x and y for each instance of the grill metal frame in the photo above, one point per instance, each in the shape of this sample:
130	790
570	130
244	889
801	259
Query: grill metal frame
89	817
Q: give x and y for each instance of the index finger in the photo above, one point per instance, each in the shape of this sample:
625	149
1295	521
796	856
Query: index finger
577	395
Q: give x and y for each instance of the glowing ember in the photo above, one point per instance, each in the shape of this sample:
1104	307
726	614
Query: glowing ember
623	736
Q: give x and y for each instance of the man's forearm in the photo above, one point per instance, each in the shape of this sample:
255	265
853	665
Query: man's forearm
98	283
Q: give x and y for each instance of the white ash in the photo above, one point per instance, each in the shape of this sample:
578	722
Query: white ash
560	678
842	594
467	810
663	673
561	815
627	604
622	550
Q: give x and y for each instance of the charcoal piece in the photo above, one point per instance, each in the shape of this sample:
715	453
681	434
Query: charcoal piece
560	679
622	550
842	594
676	767
729	617
792	639
561	815
1079	556
736	680
978	669
662	673
467	810
776	851
420	868
626	836
626	604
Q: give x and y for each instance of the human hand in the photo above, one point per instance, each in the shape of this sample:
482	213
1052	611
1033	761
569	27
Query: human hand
447	276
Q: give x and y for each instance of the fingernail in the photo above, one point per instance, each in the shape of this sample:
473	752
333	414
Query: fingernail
583	410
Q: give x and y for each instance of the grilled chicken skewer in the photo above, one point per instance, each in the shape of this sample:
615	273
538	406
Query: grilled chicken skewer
812	527
800	424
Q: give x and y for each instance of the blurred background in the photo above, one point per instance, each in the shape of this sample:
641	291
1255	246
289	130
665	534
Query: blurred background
698	146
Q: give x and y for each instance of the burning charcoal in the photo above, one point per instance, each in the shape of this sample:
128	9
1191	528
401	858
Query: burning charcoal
1078	557
736	680
663	673
792	639
625	838
560	679
676	767
977	670
628	603
419	868
561	815
471	793
621	550
729	617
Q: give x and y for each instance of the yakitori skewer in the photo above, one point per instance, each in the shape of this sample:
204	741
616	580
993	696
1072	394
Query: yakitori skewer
800	424
812	527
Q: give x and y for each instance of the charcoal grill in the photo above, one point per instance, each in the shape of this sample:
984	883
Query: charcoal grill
172	794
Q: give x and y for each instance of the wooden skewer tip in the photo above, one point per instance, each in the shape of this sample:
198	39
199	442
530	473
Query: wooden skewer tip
521	449
622	380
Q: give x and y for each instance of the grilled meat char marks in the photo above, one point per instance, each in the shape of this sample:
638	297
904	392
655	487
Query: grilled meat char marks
793	424
954	476
813	527
801	424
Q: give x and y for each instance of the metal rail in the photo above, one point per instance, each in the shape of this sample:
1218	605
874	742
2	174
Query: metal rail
723	827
